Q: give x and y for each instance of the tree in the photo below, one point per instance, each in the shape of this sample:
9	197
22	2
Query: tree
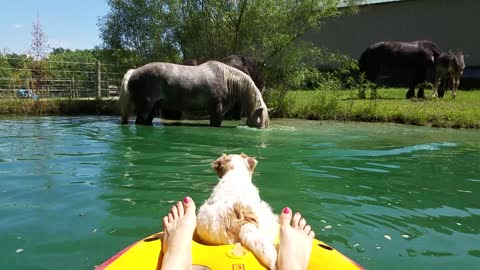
140	27
40	47
67	66
20	74
5	73
5	68
39	51
168	30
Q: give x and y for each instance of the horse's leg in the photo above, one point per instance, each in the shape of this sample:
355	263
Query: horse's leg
456	82
421	88
235	113
419	78
438	82
421	92
216	114
145	114
411	91
444	87
154	112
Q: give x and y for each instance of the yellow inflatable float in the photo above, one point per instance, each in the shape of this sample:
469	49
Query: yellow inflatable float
146	254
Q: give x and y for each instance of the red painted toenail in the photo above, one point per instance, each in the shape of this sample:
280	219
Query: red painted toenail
187	199
287	210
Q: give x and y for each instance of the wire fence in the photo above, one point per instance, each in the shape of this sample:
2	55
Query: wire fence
24	78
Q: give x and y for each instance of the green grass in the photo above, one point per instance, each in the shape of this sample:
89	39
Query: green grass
64	106
462	112
392	106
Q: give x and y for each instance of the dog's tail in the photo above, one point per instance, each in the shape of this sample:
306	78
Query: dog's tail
251	236
124	102
262	248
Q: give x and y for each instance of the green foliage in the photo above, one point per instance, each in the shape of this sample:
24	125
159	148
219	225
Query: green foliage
17	69
5	71
142	27
40	74
75	68
65	106
169	30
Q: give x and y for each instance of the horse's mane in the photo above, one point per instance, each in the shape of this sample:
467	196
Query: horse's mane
241	88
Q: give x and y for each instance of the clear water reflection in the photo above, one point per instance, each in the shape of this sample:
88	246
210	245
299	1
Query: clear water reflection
75	190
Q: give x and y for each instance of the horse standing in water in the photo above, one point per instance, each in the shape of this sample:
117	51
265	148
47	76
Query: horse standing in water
245	64
407	62
449	66
212	86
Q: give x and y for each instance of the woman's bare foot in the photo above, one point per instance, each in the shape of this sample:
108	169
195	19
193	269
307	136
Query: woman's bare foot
178	228
295	242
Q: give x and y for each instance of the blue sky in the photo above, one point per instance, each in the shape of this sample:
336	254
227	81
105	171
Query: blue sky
67	23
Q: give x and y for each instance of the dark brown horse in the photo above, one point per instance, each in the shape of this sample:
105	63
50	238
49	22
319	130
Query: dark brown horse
405	62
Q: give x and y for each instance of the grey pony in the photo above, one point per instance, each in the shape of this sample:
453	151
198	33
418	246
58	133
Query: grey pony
213	87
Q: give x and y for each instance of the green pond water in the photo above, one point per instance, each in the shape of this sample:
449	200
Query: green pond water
76	190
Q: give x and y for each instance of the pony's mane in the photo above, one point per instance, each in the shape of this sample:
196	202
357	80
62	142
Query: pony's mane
241	87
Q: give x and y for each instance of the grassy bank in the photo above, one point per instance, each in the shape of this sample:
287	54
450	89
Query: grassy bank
58	106
462	112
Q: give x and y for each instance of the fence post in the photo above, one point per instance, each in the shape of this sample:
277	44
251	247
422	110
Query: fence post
74	91
99	81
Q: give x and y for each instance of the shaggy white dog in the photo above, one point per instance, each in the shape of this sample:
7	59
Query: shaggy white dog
234	213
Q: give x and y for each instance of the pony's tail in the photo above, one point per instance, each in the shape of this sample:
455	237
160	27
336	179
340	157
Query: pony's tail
124	101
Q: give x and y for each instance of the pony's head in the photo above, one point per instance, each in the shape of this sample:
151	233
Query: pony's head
259	116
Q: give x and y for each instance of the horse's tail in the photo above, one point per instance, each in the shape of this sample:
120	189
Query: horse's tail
124	101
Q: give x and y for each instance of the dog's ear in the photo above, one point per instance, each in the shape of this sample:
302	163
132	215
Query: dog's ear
251	162
220	165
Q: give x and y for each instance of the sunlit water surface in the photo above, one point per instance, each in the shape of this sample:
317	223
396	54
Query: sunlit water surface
76	190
